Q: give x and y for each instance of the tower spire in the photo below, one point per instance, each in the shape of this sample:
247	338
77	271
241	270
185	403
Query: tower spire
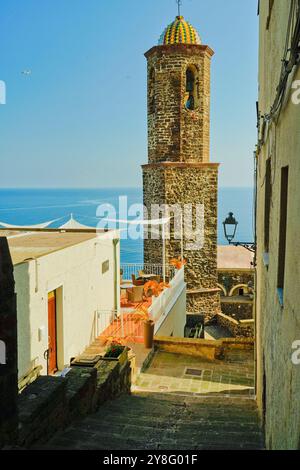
179	3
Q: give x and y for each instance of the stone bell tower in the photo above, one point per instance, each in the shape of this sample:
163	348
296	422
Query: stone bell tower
178	169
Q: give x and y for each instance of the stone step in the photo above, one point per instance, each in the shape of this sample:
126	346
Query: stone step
158	421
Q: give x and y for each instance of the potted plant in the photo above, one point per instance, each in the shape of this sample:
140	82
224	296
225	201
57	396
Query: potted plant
155	288
116	351
143	314
178	263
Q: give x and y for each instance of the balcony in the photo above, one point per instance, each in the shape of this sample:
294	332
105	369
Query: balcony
126	324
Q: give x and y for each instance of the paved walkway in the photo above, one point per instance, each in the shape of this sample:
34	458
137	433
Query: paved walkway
186	375
170	410
160	421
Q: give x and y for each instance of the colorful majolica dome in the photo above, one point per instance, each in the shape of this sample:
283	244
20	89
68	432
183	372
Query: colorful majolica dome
179	32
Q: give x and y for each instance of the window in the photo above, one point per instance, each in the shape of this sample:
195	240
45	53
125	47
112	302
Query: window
268	195
283	226
191	90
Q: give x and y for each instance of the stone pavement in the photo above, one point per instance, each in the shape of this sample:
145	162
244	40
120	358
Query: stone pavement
187	375
160	421
164	417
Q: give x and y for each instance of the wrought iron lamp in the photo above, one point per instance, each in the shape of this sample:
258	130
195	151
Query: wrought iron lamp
230	227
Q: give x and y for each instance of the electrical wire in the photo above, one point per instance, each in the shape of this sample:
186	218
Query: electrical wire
292	38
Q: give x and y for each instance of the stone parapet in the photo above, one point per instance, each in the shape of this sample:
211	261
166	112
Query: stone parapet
238	328
51	403
206	349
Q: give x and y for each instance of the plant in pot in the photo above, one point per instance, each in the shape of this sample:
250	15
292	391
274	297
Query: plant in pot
178	263
143	315
155	288
116	351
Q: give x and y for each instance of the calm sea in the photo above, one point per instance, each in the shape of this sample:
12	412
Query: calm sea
34	206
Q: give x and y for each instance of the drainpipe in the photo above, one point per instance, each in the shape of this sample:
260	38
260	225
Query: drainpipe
116	242
256	332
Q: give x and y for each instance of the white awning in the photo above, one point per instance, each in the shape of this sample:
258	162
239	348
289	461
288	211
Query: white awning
43	225
73	224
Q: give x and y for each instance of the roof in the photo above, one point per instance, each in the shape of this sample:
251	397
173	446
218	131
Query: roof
179	32
29	245
234	257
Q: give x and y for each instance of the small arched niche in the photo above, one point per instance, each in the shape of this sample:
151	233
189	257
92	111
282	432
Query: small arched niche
151	91
191	99
241	290
223	290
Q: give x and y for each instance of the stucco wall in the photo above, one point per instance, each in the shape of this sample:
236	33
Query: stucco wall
278	379
175	321
82	290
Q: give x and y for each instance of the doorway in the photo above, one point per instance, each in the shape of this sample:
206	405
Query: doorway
52	333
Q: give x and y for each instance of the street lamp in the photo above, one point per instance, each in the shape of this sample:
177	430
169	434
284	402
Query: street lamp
230	226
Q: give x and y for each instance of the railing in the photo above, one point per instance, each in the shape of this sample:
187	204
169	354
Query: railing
119	325
162	304
156	269
126	324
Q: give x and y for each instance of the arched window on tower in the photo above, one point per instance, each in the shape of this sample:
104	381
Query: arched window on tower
151	91
191	95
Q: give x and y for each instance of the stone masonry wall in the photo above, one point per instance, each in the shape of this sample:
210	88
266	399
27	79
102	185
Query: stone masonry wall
188	184
234	277
179	172
51	403
175	133
230	306
242	310
238	329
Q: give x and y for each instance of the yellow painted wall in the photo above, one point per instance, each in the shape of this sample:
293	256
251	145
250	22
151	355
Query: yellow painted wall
278	327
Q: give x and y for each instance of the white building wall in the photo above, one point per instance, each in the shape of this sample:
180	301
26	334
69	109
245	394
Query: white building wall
169	309
82	290
175	321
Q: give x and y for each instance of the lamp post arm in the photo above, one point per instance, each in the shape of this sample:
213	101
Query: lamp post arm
251	246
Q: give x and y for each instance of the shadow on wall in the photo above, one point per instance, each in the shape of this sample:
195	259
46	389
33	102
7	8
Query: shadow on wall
25	360
8	335
93	333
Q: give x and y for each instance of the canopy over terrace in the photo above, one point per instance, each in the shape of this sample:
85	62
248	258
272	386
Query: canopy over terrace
71	223
152	223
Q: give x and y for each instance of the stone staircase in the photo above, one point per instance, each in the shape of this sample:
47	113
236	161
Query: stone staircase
166	422
170	409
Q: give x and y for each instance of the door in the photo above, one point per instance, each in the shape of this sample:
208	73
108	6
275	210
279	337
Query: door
52	340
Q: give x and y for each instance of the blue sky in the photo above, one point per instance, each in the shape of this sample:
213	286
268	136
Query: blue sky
79	120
